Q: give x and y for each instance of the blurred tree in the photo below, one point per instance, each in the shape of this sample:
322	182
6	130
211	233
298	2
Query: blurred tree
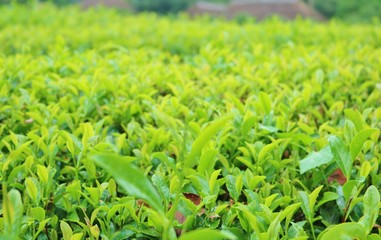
355	10
326	7
161	6
352	10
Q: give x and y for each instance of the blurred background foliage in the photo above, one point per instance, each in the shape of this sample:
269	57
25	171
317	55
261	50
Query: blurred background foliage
347	10
350	10
161	6
57	2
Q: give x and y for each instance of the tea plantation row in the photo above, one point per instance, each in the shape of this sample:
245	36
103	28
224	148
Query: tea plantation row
116	126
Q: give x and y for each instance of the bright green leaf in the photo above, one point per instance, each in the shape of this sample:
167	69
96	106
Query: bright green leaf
209	234
67	232
355	117
358	141
38	213
130	178
12	211
32	189
207	134
371	208
345	231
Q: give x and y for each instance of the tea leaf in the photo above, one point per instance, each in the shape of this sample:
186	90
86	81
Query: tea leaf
231	186
365	169
165	160
38	213
313	196
130	178
345	231
371	208
42	173
328	196
355	117
41	227
77	236
66	230
341	155
265	102
207	161
274	228
316	159
308	202
267	149
207	234
358	141
207	134
32	189
12	212
373	237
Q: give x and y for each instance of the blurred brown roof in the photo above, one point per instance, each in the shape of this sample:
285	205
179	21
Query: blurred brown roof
106	3
258	8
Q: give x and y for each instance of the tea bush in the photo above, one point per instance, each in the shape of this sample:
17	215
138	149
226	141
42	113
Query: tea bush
147	127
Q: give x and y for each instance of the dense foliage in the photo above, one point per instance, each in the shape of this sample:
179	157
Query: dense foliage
141	127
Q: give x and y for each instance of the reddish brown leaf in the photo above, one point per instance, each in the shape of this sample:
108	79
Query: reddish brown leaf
141	203
286	154
193	197
180	217
337	176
